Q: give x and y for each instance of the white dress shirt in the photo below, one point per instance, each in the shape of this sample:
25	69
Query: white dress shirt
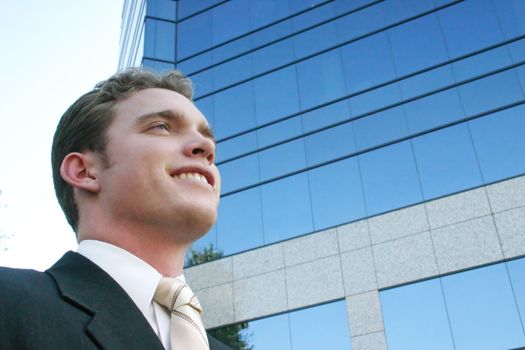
136	277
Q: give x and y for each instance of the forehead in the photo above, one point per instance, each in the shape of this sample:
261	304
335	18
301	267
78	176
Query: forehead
154	100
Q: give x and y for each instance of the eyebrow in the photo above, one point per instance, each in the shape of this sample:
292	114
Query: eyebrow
175	117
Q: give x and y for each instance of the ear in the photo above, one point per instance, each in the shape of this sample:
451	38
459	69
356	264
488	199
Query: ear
78	170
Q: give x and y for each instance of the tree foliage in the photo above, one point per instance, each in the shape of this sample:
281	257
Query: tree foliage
234	336
207	254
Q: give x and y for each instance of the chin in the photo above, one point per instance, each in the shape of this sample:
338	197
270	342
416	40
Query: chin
202	223
197	221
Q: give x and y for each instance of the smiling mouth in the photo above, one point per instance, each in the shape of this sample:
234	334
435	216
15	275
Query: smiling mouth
195	177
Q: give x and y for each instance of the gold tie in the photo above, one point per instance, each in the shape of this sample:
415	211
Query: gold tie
186	329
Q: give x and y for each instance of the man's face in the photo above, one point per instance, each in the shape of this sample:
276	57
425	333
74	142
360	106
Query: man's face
161	171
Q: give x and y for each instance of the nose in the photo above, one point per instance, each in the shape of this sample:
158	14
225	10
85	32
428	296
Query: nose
201	147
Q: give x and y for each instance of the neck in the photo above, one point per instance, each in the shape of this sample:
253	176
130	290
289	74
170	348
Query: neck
159	249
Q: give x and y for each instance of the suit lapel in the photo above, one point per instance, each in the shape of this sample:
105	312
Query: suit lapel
117	323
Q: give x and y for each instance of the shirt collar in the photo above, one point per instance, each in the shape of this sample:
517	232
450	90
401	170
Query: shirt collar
135	276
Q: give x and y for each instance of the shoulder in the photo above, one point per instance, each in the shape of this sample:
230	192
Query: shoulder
14	274
23	294
20	281
22	287
34	314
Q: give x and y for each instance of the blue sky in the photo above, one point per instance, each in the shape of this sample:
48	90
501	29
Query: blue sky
52	52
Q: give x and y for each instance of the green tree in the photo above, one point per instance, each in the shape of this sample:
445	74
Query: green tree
233	336
207	254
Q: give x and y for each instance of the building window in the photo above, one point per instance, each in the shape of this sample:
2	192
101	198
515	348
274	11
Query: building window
476	309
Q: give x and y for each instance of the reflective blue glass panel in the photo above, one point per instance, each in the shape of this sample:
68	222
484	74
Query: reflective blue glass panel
315	40
376	99
427	82
276	95
446	161
500	143
161	9
417	44
482	309
286	208
443	2
321	327
491	92
482	63
272	56
205	105
282	159
299	5
520	71
157	66
368	62
194	34
329	144
271	33
343	6
516	270
232	72
320	79
465	32
415	317
234	110
228	22
236	146
198	62
359	23
380	128
521	75
270	333
159	41
433	111
517	50
239	173
280	131
389	178
312	17
396	11
230	49
337	195
188	7
263	12
511	14
326	116
202	82
240	222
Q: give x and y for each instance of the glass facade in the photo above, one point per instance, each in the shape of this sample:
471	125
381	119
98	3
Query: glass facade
359	93
476	309
318	327
327	112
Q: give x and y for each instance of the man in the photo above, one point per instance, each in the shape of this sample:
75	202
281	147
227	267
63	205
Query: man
133	167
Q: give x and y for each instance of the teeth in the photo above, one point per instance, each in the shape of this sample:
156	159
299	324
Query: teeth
192	176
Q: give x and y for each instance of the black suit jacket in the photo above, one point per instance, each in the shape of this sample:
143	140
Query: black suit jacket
73	305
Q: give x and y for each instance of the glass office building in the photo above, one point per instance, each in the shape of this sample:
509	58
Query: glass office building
373	164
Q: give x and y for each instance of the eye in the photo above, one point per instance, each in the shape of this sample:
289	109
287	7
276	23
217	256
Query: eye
160	127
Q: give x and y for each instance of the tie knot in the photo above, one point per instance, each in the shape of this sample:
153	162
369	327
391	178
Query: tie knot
172	293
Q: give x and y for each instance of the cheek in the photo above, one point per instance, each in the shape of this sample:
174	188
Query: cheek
218	180
146	160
